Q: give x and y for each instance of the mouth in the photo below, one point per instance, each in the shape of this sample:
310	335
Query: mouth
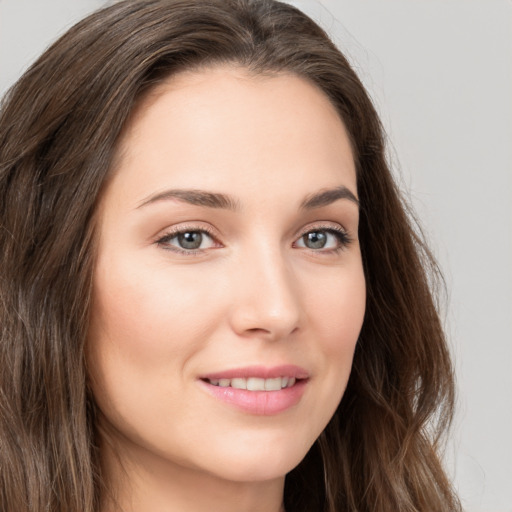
258	390
254	383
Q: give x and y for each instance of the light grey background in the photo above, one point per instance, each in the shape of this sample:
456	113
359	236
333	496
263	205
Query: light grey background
440	72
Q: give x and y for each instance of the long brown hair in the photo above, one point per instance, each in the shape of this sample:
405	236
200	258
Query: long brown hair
59	126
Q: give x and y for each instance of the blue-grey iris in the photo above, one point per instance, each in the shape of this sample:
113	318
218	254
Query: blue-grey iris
315	240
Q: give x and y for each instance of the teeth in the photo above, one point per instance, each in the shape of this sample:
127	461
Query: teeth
273	384
255	383
239	383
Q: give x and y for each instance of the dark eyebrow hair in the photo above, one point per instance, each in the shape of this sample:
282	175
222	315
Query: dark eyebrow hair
196	197
326	197
219	200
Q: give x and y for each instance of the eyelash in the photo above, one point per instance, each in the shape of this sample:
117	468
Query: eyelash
339	233
173	233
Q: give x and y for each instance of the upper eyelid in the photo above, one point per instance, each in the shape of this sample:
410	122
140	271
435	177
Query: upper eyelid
176	230
322	225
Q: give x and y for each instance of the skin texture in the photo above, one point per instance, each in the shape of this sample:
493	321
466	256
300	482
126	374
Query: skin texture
254	293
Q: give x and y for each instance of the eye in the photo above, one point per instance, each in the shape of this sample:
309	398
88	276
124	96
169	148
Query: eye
187	240
326	239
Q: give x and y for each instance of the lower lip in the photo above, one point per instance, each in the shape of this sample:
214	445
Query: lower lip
263	403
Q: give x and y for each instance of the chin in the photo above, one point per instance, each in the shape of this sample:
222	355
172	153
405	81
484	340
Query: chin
248	472
260	463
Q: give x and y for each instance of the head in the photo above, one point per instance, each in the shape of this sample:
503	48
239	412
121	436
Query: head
65	134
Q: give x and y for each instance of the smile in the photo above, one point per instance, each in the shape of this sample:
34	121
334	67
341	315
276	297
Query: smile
258	390
254	383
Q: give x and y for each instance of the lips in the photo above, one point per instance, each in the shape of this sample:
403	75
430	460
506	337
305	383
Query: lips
262	372
258	390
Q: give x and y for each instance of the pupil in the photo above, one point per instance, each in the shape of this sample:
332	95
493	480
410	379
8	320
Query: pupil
190	240
315	240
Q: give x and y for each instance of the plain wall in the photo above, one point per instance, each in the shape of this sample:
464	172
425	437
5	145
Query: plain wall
440	73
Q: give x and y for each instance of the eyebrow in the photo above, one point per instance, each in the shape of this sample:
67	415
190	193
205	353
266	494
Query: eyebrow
195	197
223	201
327	197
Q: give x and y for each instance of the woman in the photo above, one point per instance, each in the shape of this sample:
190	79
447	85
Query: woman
212	294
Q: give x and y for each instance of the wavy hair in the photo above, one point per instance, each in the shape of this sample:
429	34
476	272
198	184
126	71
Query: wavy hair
59	129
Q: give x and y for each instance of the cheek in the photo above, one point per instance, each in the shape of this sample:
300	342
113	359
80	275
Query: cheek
142	337
336	312
141	332
147	325
336	308
146	311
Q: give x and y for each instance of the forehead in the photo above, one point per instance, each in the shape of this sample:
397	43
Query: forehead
223	123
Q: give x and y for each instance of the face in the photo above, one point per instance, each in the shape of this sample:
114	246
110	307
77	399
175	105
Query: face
228	290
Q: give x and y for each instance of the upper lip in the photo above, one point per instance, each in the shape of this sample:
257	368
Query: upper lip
262	372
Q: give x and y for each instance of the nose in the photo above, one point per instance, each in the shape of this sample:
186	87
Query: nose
267	303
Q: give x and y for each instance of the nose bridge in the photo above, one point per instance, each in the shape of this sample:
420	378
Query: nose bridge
268	302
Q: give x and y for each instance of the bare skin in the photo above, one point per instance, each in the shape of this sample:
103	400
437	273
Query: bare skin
260	269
